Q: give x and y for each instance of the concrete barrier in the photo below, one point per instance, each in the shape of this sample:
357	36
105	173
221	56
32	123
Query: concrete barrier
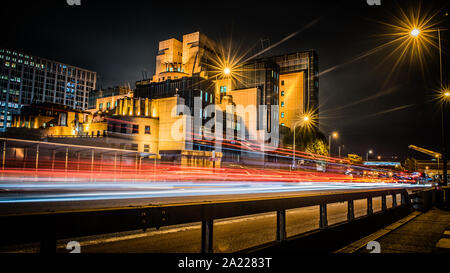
424	200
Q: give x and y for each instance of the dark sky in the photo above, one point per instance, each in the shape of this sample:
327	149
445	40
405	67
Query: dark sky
119	40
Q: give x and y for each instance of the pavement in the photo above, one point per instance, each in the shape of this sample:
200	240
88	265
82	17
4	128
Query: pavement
427	232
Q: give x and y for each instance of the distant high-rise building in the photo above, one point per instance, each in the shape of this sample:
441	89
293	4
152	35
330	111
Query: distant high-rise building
26	79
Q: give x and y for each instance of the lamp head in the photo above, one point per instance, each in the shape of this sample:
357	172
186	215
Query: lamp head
415	32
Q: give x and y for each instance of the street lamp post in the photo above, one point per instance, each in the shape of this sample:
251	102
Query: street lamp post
306	119
415	33
444	116
444	137
367	155
334	135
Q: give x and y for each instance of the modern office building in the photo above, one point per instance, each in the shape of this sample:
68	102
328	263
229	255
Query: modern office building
27	79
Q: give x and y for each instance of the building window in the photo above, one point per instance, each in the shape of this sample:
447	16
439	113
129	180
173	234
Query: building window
63	119
282	83
147	130
108	105
282	104
100	106
282	124
135	129
134	147
282	114
223	89
282	93
123	128
146	148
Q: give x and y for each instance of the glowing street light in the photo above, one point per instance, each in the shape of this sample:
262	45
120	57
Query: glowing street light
367	155
415	32
227	71
419	37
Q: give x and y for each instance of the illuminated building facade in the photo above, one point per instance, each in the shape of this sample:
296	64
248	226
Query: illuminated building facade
26	79
53	120
145	120
257	84
148	125
176	59
290	81
299	86
113	93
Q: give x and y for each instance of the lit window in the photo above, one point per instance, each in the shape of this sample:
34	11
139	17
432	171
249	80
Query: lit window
146	148
282	104
135	129
282	93
282	114
147	130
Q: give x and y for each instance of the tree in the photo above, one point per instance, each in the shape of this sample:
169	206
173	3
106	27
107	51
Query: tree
308	139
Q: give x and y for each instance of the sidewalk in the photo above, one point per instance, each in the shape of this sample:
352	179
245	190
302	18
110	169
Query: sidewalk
427	232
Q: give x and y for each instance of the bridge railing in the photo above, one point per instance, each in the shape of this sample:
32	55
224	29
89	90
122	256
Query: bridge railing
47	228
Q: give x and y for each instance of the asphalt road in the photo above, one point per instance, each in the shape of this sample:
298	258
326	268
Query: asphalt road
42	196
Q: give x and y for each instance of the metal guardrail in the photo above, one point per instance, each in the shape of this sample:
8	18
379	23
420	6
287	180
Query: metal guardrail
47	228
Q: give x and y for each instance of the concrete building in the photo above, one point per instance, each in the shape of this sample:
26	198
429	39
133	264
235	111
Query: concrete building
27	79
299	85
176	59
111	93
54	120
170	114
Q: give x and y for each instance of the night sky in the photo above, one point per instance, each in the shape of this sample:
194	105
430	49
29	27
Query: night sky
119	40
